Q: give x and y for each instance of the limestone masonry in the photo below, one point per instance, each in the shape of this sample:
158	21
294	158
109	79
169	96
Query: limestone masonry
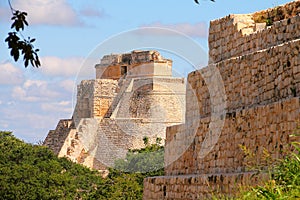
259	65
134	95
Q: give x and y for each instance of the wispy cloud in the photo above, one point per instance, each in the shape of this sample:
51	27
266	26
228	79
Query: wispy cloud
10	75
199	29
34	91
35	106
51	12
65	67
48	12
62	106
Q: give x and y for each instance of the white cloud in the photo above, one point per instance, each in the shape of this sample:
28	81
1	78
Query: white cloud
49	12
67	67
10	75
62	106
34	91
30	83
193	30
18	92
34	105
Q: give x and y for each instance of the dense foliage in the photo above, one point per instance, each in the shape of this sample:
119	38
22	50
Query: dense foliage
34	172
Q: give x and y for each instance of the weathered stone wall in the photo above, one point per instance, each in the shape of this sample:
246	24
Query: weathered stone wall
94	98
115	136
197	186
258	78
154	100
258	128
134	64
75	146
56	138
278	13
260	73
237	35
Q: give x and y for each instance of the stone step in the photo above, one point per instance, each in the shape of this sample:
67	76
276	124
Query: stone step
199	186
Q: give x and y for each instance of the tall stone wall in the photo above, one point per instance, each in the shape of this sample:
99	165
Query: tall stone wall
259	70
237	35
258	128
257	78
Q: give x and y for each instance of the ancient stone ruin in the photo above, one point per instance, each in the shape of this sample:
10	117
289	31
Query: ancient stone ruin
256	69
133	96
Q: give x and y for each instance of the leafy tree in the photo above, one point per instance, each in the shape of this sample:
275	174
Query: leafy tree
33	172
16	41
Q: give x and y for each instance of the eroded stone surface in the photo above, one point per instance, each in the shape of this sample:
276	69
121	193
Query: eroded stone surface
259	67
134	95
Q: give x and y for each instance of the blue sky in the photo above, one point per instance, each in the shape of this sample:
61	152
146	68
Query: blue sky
67	31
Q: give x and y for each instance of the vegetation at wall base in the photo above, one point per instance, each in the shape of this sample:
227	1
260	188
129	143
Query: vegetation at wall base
284	180
33	172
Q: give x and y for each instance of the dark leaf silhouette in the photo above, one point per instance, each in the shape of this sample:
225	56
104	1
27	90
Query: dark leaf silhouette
197	1
16	42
